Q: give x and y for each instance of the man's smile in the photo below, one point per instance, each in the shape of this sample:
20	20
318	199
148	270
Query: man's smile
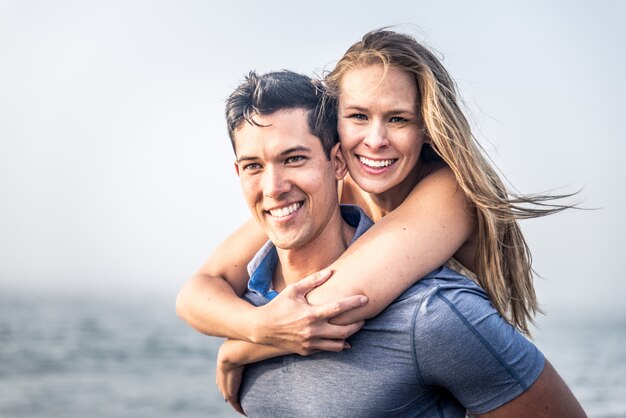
283	211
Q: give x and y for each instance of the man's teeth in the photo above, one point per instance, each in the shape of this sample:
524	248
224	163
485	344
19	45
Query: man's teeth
375	163
287	210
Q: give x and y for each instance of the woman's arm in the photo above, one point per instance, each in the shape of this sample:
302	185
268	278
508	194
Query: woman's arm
232	357
210	302
428	228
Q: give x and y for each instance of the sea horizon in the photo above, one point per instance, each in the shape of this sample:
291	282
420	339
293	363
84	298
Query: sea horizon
78	355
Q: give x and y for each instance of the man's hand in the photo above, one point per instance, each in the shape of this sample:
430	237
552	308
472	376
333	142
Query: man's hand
290	323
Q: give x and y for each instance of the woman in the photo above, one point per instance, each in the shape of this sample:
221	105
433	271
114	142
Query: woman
416	169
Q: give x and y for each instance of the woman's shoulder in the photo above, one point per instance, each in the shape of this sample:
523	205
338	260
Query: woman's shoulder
435	183
437	173
350	193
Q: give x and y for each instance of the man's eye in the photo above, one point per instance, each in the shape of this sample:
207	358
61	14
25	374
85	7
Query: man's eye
252	166
294	159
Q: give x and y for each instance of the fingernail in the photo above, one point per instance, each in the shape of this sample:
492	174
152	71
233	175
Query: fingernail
346	345
363	300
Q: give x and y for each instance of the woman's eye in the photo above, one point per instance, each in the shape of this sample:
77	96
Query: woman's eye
397	119
294	159
359	116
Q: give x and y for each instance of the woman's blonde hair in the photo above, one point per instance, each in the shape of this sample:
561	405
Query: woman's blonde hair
503	259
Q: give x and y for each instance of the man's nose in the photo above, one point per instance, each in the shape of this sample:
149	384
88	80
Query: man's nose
275	182
376	137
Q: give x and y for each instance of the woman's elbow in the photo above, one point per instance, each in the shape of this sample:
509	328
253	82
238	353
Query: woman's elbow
182	303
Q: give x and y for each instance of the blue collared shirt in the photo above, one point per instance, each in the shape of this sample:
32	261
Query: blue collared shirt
261	268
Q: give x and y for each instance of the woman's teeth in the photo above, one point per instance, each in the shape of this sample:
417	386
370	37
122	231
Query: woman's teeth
376	163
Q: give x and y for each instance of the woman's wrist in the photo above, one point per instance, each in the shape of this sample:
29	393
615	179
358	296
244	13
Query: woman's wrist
255	326
226	355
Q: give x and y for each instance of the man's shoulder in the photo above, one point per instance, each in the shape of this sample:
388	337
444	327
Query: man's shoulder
440	306
354	216
459	337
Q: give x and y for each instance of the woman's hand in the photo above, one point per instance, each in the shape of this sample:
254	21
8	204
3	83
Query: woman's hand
228	375
288	322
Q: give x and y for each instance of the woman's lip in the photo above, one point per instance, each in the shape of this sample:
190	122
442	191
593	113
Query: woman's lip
375	165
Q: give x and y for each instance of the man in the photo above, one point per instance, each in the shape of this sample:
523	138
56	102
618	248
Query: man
439	350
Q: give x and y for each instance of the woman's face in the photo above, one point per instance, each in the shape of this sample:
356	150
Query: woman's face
380	128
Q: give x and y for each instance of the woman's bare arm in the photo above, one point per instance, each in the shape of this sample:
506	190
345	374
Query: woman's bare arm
232	357
210	302
428	228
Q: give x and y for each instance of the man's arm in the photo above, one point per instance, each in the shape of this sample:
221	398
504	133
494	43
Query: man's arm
463	345
548	397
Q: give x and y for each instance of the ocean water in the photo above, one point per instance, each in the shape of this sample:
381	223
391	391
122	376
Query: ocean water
76	356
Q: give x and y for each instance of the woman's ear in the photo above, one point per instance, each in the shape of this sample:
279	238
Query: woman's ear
339	163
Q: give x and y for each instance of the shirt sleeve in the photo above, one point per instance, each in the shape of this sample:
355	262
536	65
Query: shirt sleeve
462	344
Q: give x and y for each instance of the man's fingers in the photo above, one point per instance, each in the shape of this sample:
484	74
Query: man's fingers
310	282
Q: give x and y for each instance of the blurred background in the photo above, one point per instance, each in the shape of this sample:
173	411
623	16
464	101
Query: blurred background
117	179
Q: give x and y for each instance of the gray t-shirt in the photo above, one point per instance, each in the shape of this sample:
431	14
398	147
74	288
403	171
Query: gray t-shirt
438	350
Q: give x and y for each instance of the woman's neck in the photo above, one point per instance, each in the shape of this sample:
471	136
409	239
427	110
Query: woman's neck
377	205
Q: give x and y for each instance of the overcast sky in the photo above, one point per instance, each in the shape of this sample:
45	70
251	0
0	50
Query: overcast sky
116	170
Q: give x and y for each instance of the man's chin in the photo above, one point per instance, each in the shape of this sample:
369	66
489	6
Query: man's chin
286	242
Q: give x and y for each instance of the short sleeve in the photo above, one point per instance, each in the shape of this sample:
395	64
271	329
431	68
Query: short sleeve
462	344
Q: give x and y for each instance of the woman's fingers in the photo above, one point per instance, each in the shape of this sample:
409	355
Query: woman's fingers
228	382
332	309
338	332
304	286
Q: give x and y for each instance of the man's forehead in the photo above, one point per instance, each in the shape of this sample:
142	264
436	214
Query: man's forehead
278	133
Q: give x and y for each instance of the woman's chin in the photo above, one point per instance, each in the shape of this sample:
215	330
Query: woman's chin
373	186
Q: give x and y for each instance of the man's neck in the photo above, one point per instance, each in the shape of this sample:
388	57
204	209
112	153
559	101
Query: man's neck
297	263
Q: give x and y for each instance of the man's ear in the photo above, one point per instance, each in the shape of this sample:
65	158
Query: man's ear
339	163
236	168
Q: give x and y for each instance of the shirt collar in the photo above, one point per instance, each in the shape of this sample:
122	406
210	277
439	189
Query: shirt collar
261	268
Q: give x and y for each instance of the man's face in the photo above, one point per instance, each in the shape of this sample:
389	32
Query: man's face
287	181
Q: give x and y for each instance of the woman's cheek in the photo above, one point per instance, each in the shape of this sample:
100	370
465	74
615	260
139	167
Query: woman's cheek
349	135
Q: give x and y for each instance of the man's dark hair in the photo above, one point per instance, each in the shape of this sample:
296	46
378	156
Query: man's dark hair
280	90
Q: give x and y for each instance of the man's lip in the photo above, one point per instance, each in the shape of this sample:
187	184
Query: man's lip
284	205
292	209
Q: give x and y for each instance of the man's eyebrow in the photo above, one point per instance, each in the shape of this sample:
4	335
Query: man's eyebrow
246	158
298	148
